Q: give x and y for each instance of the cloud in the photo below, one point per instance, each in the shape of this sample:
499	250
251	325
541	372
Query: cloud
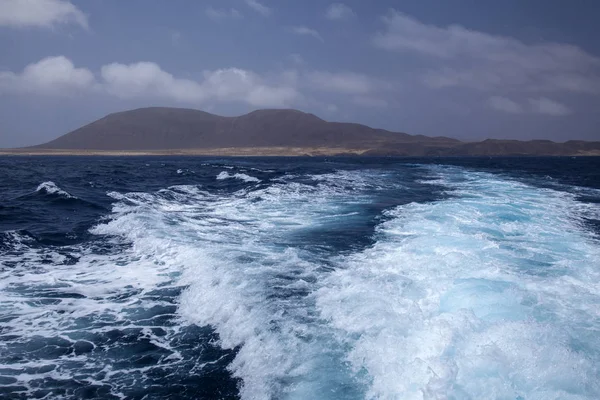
40	13
544	105
482	61
259	7
147	79
339	11
233	84
58	76
341	82
304	31
504	104
359	89
49	76
222	14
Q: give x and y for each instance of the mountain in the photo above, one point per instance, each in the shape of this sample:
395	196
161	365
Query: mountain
176	128
160	130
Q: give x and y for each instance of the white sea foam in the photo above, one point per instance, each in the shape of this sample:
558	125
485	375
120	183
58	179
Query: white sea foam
97	279
231	252
243	279
491	294
50	187
51	296
240	176
358	180
216	165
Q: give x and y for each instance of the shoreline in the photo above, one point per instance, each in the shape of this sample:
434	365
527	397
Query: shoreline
262	152
225	151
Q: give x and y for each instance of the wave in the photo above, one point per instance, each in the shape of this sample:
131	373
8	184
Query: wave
12	243
60	197
77	306
492	293
218	165
243	279
246	178
489	293
50	188
225	262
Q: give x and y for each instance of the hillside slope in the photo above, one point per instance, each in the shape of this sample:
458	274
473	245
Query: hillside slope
173	130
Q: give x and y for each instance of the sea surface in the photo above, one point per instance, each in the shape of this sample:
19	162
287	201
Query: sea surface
299	278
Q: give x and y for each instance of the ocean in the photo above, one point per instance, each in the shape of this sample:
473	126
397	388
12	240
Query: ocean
299	278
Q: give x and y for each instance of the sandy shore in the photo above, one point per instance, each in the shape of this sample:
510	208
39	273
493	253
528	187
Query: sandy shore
226	151
242	152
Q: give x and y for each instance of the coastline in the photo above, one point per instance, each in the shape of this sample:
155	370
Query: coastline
263	152
224	151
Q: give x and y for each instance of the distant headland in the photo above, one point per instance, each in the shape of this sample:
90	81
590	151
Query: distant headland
277	132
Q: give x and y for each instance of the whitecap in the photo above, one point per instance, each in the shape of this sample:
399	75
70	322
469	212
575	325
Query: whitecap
244	177
50	187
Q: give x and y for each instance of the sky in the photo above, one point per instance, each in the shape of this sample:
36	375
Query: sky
467	69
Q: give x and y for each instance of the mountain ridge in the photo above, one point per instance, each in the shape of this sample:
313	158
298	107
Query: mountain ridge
166	130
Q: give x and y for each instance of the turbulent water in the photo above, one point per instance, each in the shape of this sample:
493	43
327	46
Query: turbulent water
304	278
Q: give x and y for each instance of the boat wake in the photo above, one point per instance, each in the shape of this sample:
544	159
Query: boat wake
488	291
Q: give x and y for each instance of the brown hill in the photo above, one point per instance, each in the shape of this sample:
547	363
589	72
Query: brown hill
158	130
176	128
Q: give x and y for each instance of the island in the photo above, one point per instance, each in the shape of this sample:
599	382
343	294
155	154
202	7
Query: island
275	132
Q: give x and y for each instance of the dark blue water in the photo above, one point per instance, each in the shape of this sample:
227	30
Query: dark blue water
300	278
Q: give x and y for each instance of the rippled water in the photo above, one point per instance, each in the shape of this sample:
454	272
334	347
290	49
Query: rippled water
303	278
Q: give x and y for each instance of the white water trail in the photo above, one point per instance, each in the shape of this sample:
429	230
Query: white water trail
245	278
493	293
490	294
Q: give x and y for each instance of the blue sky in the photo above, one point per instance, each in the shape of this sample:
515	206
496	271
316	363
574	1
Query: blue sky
461	68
